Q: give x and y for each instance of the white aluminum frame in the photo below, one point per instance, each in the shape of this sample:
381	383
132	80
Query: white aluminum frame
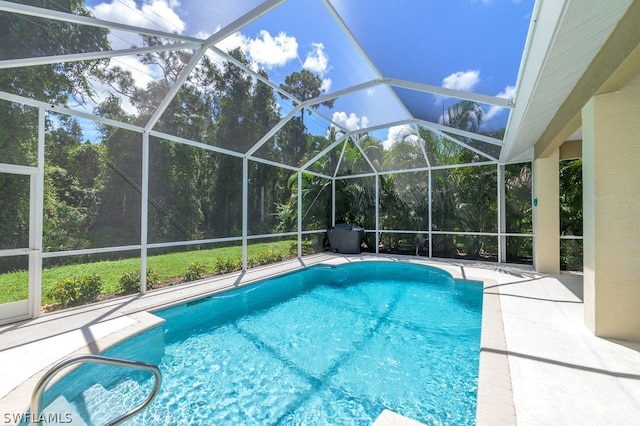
146	131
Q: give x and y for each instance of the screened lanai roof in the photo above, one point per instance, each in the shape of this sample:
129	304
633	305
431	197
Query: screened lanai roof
387	69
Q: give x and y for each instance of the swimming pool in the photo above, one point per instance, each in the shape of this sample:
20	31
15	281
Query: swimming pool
327	345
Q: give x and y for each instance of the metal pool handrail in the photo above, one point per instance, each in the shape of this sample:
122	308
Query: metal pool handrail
36	396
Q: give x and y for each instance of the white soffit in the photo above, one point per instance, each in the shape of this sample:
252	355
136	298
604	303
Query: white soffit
563	39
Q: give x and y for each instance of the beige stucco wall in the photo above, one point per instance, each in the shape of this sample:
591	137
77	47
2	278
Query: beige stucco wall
547	213
611	182
570	150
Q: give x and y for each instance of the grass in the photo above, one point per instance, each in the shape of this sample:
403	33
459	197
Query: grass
169	267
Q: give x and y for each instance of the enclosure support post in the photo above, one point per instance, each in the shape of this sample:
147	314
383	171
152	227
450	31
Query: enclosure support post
299	214
502	239
430	211
245	207
144	212
333	201
377	213
35	228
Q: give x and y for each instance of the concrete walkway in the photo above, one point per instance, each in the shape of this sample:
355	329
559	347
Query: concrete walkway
561	374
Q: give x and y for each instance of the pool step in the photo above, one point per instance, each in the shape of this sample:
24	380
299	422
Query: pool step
390	418
61	412
99	406
95	405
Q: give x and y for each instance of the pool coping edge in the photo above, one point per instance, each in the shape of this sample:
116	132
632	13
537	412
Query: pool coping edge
495	404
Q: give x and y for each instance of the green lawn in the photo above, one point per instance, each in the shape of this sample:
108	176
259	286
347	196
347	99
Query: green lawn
168	267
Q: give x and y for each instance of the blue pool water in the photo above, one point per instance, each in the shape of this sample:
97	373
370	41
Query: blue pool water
328	345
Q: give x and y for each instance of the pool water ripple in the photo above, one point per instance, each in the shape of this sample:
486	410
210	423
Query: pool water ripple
295	351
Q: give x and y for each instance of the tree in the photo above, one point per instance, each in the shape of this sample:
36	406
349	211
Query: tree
291	142
31	36
14	213
118	218
571	251
571	197
404	198
518	211
232	130
404	155
355	197
305	85
18	142
465	115
56	84
464	198
74	178
316	204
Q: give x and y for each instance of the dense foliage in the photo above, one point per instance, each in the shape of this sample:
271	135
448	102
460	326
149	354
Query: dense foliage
94	182
571	249
77	290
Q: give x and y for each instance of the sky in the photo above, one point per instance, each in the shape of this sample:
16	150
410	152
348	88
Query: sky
469	45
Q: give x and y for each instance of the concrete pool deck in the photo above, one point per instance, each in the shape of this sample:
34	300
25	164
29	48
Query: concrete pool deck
539	364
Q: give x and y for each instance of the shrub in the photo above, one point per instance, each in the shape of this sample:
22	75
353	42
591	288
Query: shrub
307	248
76	290
89	287
267	257
224	266
64	292
195	271
130	281
293	249
152	279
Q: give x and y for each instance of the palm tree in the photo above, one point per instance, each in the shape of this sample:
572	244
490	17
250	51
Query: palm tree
464	115
463	198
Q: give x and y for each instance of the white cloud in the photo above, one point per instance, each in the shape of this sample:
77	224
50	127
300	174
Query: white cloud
154	14
268	52
317	61
265	50
234	40
403	132
272	51
326	85
351	121
462	80
161	13
508	93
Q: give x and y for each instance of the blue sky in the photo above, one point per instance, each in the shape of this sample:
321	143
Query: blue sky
470	45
